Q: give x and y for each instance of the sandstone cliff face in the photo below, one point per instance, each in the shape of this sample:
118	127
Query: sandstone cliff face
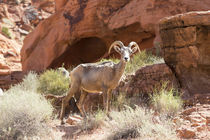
186	46
82	31
16	21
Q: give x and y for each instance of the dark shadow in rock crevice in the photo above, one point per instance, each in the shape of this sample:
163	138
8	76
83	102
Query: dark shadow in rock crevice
85	50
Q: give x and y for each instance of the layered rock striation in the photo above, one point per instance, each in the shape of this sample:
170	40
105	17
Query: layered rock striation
186	49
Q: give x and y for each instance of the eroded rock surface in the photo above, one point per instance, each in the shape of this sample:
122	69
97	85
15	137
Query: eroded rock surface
16	21
9	55
148	78
82	31
193	122
186	48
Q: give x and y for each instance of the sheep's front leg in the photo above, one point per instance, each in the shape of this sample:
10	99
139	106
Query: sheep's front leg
74	88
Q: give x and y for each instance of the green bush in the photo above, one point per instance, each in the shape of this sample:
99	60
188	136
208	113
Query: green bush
6	32
53	82
167	101
23	112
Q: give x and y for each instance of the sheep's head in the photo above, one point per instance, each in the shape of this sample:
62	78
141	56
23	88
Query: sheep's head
125	51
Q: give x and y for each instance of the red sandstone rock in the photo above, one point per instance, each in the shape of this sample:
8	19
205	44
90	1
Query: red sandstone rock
186	48
192	122
9	55
146	79
82	31
46	5
186	133
9	78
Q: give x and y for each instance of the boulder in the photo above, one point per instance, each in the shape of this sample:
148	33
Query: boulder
148	78
186	49
82	31
10	78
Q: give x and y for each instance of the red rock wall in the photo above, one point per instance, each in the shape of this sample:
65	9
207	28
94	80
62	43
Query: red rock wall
76	21
186	49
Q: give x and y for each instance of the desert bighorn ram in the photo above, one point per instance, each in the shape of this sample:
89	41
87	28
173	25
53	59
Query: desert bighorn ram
96	78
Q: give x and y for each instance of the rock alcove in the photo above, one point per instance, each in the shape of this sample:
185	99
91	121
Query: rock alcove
83	51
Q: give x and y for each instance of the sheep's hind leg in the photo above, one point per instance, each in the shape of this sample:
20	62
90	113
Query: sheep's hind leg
80	104
108	101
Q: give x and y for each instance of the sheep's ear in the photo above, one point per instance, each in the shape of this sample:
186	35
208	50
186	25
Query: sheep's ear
134	49
117	49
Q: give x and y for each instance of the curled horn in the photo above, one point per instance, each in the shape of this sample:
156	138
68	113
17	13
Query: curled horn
119	43
132	43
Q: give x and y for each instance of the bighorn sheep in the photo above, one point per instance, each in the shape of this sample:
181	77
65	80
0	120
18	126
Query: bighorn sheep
96	78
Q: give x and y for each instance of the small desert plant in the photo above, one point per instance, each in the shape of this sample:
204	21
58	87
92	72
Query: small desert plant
137	123
93	121
23	112
167	101
6	32
53	82
119	101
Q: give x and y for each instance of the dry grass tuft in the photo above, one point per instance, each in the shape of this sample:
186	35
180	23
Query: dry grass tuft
167	101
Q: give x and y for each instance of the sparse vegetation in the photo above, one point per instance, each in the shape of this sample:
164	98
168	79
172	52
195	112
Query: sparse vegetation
6	32
125	122
23	112
167	101
93	121
142	59
53	82
138	123
119	101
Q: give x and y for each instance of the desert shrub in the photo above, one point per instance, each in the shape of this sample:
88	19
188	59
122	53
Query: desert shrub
119	101
53	82
23	112
6	32
93	121
167	101
30	83
137	123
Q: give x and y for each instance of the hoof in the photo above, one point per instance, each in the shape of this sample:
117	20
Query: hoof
62	122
